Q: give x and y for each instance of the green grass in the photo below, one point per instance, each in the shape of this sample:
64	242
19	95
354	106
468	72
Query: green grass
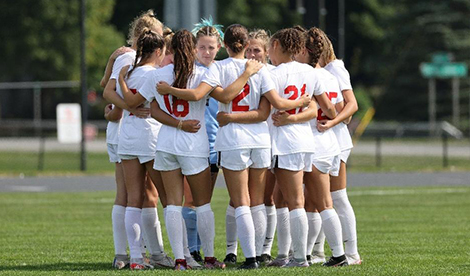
401	231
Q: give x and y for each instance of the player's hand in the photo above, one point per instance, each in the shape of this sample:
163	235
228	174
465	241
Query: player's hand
123	71
223	118
107	109
324	125
305	100
280	118
119	51
192	126
163	88
141	112
252	67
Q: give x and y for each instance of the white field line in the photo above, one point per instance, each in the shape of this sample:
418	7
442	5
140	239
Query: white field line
409	192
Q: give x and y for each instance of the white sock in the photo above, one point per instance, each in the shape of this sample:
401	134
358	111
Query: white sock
150	225
206	228
258	213
133	220
186	252
314	227
348	220
283	232
271	220
319	246
231	231
299	233
332	228
174	225
246	231
119	230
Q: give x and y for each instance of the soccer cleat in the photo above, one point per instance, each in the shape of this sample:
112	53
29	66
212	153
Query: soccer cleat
192	263
120	261
212	262
161	261
318	257
336	261
280	261
264	259
249	265
354	259
180	264
197	256
294	263
230	259
139	264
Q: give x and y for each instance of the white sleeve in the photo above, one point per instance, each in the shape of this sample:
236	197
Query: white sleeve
148	88
342	75
275	80
317	84
340	97
212	76
120	62
267	83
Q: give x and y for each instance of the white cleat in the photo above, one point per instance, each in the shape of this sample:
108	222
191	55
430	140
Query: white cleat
162	261
192	263
317	258
354	259
120	261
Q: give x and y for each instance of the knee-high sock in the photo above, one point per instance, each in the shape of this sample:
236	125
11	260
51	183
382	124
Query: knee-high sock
231	231
133	220
319	246
190	219
119	230
258	214
283	232
151	229
314	227
271	221
206	225
174	225
246	231
332	228
299	233
348	220
186	252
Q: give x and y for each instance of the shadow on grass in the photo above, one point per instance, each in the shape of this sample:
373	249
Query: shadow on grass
59	267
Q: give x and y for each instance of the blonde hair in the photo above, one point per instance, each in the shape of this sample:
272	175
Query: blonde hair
209	31
260	35
167	36
145	20
328	53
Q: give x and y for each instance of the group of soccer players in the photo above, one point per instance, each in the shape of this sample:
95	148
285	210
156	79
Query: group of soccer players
278	131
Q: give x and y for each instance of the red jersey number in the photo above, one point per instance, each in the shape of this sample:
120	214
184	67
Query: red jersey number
243	94
134	91
331	95
173	107
294	96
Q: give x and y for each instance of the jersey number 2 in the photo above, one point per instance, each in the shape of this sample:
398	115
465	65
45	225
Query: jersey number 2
243	94
294	96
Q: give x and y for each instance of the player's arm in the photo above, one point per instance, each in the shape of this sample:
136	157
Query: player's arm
132	100
112	114
161	116
230	92
282	117
284	104
112	96
194	94
346	113
326	105
109	66
249	117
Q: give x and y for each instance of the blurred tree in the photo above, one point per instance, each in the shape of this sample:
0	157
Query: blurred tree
41	43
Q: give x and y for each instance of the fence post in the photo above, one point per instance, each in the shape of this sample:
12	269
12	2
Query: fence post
42	146
445	151
378	151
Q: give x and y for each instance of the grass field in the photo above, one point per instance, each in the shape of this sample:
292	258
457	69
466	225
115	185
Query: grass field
26	163
401	231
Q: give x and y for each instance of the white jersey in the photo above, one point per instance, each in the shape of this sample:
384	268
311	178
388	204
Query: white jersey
292	80
112	130
171	139
234	135
337	68
137	136
326	143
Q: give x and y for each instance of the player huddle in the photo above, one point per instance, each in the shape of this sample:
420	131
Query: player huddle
278	132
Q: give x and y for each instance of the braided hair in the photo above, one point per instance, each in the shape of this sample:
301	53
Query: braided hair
290	39
314	44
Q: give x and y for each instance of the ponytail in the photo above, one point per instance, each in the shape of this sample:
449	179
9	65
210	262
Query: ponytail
184	45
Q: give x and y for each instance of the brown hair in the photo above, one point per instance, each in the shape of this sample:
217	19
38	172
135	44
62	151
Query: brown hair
209	31
290	39
147	43
314	44
184	45
328	53
145	20
168	36
236	38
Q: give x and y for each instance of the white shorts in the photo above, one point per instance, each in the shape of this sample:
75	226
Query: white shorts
344	155
165	161
336	166
325	164
238	160
294	161
142	158
112	152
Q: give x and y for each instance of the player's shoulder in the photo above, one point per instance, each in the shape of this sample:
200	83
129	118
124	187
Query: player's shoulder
126	57
336	65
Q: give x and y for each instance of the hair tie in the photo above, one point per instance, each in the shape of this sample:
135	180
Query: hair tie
208	23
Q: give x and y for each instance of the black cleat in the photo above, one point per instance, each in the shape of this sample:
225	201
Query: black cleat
230	259
249	265
197	256
264	259
336	261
